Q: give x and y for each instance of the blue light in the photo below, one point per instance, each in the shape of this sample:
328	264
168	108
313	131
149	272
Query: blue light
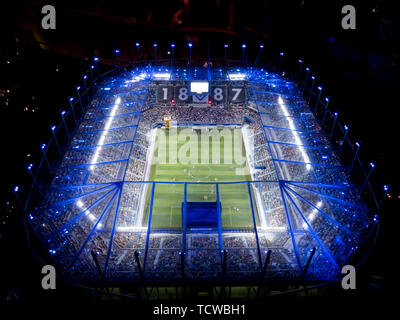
92	67
313	77
319	88
155	45
84	77
372	165
225	46
385	187
78	88
30	217
282	53
326	99
43	146
346	127
30	166
172	45
307	69
357	144
301	61
116	51
62	113
71	99
261	46
96	59
53	128
16	189
335	114
190	44
243	45
331	39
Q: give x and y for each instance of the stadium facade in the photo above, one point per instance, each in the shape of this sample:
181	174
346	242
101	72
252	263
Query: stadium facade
105	210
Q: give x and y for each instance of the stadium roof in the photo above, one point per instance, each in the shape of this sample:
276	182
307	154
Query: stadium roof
98	205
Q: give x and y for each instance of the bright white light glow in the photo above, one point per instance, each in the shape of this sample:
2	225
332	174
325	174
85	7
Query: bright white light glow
311	216
198	87
79	203
237	76
130	228
140	77
272	233
272	229
295	133
104	133
91	216
161	76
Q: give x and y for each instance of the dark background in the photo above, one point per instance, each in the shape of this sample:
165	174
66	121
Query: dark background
39	69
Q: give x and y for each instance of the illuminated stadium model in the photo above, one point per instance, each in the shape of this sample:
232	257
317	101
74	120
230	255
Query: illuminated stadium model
201	171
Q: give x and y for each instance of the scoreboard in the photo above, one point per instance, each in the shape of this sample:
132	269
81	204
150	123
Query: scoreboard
218	93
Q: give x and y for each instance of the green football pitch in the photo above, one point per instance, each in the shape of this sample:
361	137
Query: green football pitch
224	164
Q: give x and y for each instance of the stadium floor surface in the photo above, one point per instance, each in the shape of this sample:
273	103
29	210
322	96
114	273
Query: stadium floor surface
168	198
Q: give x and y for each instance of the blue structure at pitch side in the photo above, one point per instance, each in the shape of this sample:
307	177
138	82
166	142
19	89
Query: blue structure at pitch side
92	201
